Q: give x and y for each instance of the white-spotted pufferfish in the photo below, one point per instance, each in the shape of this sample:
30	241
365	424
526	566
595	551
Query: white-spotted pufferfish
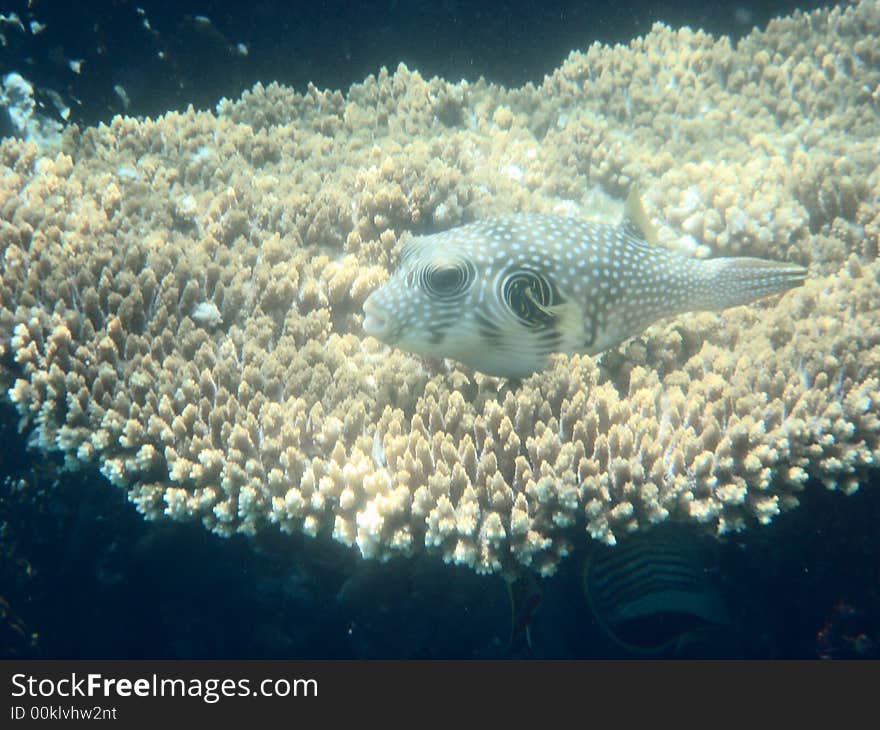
501	295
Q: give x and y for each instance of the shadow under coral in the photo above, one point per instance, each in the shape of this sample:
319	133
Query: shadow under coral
85	576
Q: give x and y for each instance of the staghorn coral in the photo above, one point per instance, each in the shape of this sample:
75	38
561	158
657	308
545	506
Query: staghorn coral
180	299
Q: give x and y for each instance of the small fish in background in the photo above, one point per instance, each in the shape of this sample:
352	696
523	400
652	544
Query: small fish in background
120	91
204	31
652	595
503	294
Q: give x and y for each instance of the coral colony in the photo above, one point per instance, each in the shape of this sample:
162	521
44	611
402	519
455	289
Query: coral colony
181	299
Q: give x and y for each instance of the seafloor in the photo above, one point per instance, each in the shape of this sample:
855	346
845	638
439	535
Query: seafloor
180	313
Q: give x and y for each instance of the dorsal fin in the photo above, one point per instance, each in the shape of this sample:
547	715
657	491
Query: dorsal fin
635	219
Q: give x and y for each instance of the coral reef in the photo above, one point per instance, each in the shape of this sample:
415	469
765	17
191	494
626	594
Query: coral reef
180	302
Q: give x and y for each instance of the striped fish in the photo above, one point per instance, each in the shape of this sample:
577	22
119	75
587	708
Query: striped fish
652	594
502	294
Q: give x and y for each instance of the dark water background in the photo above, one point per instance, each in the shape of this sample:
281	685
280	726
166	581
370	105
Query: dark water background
165	55
83	575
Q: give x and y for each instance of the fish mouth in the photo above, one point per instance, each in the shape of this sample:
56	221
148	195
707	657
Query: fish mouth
376	322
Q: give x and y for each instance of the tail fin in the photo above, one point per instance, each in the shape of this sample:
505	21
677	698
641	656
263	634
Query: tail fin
731	282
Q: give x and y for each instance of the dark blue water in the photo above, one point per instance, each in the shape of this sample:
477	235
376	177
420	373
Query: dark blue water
165	55
83	575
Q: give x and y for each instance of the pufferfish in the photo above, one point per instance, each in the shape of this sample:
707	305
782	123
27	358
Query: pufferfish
501	295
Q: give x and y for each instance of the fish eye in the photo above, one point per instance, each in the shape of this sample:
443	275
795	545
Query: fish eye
446	281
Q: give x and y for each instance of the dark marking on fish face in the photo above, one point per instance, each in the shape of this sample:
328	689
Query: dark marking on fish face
489	330
590	331
600	324
550	338
595	319
436	335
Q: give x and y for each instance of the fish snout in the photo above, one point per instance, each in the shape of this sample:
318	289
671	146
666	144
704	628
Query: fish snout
376	320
